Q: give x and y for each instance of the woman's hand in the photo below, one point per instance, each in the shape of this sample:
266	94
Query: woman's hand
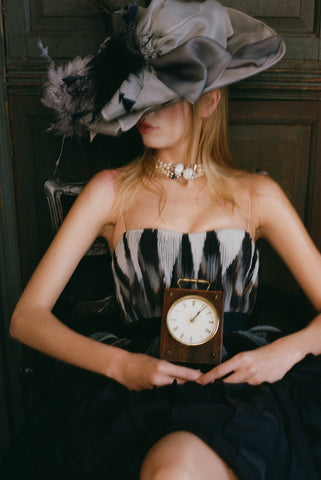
265	364
138	371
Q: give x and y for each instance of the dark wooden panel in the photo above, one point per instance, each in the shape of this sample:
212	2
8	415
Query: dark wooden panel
10	407
5	413
313	215
63	15
67	33
282	151
292	114
72	8
297	16
69	28
63	8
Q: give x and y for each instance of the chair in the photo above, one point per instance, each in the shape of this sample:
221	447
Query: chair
55	190
86	300
86	304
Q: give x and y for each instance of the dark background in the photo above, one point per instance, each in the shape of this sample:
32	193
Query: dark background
275	125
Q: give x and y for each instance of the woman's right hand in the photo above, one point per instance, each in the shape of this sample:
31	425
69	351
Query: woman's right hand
138	371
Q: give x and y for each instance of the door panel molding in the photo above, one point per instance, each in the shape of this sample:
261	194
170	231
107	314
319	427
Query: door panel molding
297	16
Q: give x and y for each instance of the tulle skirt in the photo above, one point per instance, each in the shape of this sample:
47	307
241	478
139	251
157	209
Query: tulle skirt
92	428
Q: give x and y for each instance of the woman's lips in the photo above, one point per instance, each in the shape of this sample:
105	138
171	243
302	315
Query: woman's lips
145	127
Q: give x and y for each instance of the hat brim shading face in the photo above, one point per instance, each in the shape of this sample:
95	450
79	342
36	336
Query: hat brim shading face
168	52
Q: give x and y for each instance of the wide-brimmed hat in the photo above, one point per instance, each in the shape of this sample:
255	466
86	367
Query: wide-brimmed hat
156	56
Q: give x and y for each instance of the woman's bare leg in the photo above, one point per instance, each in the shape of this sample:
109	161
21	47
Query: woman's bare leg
184	456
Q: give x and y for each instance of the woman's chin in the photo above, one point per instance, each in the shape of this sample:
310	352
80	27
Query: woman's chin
151	143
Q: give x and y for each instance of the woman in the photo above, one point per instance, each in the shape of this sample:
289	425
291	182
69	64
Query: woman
179	211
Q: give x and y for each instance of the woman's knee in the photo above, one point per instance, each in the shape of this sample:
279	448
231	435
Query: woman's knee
181	471
165	472
168	459
165	467
182	456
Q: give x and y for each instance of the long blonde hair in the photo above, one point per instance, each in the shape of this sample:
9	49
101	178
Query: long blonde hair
212	152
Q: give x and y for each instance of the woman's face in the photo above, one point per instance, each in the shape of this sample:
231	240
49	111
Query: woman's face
167	128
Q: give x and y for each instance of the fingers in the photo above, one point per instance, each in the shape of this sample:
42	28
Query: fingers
234	370
168	373
226	368
161	372
242	368
162	381
233	377
218	372
145	372
236	377
182	373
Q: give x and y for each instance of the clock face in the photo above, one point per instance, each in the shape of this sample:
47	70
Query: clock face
192	320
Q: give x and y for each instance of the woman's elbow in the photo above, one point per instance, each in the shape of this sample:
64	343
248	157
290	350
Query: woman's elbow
15	328
26	321
21	321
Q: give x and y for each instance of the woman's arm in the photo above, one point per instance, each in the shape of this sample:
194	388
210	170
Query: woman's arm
277	222
33	323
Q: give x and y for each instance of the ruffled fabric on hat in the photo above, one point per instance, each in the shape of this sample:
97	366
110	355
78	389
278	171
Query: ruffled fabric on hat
165	53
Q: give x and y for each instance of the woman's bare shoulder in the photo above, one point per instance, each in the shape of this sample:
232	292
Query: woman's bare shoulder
103	186
97	199
269	200
271	205
264	197
105	180
253	186
260	186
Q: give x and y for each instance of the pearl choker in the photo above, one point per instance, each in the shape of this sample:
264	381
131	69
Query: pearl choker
176	171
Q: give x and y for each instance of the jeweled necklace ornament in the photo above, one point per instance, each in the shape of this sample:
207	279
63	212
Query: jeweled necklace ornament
179	170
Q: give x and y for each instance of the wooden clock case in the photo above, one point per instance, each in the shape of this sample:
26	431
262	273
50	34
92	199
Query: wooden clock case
210	352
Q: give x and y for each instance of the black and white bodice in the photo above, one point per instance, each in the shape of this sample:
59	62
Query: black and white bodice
146	261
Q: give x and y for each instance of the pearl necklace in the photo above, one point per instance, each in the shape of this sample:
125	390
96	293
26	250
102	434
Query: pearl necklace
176	171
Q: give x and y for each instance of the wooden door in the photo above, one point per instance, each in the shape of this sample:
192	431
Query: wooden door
275	125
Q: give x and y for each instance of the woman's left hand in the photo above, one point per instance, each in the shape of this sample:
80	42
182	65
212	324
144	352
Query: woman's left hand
264	364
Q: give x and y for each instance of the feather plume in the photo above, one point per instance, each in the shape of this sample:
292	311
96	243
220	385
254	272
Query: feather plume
68	93
77	91
44	50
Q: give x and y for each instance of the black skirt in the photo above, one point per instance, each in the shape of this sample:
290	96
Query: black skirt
93	428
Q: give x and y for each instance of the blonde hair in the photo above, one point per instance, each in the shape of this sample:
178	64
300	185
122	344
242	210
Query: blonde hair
212	152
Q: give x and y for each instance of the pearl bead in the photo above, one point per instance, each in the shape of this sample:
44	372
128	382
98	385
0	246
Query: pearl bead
188	173
179	169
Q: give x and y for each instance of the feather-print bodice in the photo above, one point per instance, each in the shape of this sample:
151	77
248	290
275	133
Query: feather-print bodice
146	261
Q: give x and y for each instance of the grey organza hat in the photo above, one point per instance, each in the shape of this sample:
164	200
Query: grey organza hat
156	56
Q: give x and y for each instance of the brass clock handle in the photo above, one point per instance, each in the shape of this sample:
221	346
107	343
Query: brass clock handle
193	280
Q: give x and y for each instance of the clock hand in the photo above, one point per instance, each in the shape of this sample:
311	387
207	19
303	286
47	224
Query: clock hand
192	319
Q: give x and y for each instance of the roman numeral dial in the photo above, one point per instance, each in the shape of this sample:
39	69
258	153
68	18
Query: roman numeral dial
192	320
